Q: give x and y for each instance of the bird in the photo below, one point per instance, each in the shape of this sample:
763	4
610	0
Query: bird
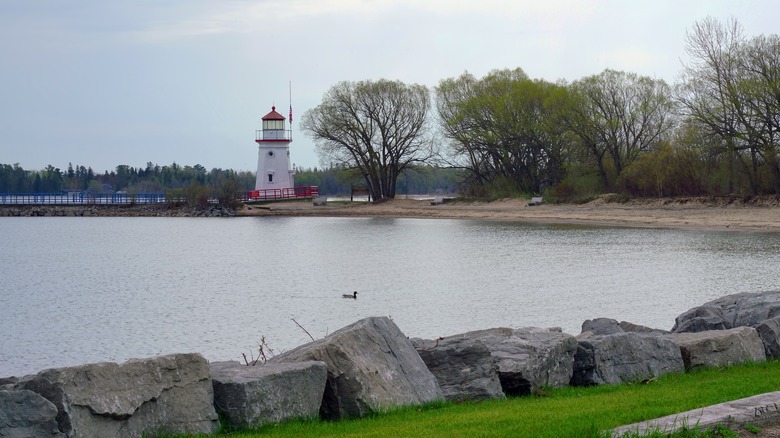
353	295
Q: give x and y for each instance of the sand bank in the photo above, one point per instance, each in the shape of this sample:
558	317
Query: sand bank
758	214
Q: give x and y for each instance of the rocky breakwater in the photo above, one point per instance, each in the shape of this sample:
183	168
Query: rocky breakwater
140	210
366	367
372	366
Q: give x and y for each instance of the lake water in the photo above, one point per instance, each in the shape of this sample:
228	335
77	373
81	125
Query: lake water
79	290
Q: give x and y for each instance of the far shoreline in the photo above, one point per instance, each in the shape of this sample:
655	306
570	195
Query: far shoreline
757	214
723	214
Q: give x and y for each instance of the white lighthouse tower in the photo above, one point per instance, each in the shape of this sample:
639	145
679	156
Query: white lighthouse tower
274	171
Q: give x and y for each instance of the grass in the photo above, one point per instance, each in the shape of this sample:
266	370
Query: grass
565	412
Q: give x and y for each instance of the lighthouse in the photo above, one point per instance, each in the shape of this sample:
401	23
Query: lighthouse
274	171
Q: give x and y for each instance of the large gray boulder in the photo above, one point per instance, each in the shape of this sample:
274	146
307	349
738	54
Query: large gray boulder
531	358
27	414
250	396
701	319
372	366
737	310
463	367
527	358
769	332
601	326
719	347
752	309
624	357
165	394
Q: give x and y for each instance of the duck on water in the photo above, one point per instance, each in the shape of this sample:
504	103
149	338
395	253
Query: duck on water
353	295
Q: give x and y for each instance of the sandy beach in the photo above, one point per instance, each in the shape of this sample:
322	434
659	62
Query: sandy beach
756	214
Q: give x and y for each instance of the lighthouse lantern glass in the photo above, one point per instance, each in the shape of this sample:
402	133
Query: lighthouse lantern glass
273	125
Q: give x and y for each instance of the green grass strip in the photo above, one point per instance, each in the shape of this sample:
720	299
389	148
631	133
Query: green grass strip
566	412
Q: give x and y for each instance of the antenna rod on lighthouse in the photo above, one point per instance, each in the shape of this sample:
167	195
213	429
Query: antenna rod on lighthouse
290	110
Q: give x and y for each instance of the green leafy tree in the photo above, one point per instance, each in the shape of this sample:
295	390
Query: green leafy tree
504	129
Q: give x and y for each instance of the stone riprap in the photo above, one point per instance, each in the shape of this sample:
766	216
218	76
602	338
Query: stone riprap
624	357
250	396
716	348
166	394
463	367
372	366
136	210
27	414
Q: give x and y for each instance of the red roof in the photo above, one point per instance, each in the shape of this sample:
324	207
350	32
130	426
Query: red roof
273	115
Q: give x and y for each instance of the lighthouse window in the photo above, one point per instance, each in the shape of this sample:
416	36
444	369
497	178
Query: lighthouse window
270	153
270	177
273	124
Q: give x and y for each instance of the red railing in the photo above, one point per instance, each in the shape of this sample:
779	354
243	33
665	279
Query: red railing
305	192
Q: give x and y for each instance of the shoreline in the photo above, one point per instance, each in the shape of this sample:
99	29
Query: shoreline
761	214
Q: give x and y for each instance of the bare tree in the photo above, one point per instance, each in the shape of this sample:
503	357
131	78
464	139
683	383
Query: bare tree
709	92
377	128
617	116
731	90
760	88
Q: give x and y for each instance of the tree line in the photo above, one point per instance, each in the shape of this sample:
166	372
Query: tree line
196	181
713	133
150	179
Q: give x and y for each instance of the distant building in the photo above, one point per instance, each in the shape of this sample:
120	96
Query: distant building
274	169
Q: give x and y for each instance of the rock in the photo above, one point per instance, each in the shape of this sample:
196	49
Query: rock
372	366
754	308
528	358
161	395
624	357
700	319
27	414
531	358
769	332
523	361
636	328
719	347
463	367
250	396
737	310
8	382
601	326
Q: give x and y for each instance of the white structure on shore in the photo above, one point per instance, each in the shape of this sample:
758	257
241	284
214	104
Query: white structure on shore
274	169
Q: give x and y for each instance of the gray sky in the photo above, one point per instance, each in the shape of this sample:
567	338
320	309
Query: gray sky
101	82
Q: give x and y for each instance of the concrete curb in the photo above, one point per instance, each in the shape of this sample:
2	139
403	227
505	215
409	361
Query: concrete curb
757	410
